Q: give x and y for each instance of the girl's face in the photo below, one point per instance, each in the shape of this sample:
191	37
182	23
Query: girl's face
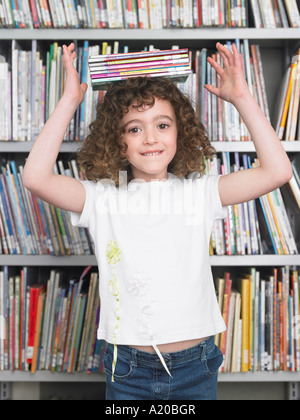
151	137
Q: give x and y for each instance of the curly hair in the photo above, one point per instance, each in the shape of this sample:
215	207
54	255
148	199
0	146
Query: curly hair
103	154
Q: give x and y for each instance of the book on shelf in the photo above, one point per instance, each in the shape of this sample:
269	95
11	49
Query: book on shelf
49	323
105	69
294	184
257	227
142	14
36	297
262	319
287	110
293	13
275	14
5	92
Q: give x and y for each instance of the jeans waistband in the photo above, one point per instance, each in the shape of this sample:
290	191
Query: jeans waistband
138	357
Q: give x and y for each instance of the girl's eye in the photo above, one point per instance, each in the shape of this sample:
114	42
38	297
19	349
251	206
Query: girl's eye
134	130
163	126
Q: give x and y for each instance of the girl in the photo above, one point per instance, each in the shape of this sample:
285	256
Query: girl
151	231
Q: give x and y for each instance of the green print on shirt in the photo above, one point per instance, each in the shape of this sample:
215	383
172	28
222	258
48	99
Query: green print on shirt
113	255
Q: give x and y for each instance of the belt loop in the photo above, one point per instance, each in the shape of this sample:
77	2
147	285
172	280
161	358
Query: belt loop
203	351
134	357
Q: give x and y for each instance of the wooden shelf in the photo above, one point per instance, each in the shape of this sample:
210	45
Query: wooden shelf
85	260
46	376
176	34
248	146
25	146
260	377
73	146
48	260
254	260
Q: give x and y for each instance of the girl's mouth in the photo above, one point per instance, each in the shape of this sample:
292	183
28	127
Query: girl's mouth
154	153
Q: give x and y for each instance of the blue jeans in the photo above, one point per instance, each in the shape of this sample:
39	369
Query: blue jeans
141	376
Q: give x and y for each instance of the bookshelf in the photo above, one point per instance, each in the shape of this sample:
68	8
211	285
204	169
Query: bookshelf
281	41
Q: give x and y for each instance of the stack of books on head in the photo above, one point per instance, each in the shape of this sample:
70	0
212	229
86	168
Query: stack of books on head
105	69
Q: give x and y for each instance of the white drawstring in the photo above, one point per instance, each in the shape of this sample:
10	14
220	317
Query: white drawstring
161	359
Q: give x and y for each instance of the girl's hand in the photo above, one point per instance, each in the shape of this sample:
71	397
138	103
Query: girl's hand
73	90
233	83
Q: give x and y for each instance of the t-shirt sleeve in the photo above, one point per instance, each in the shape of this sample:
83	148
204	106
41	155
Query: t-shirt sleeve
83	219
217	211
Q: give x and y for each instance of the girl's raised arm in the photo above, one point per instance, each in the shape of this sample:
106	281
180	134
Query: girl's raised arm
38	177
275	168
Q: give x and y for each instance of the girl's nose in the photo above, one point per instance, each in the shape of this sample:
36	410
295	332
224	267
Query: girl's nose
150	137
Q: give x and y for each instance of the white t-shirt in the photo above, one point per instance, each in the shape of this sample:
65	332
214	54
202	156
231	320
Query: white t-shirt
152	247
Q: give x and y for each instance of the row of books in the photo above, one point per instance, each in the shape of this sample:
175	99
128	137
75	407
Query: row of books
33	83
146	14
23	84
259	226
220	118
261	311
49	323
143	14
31	99
30	226
287	114
105	69
275	14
